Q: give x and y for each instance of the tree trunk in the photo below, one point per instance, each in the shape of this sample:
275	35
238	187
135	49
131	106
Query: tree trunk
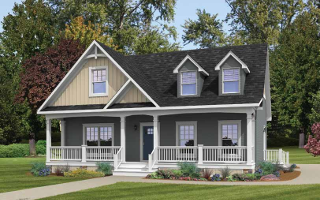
32	144
301	140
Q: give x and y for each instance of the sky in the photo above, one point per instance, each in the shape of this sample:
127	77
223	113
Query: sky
185	9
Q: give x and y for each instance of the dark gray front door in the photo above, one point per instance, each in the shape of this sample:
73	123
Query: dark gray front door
147	135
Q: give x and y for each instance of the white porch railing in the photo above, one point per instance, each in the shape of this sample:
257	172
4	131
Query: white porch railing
177	154
277	156
152	159
101	153
66	153
225	154
117	159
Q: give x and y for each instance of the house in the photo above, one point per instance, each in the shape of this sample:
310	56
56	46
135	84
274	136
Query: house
144	112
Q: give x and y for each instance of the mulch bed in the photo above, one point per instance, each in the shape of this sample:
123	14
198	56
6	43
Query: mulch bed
289	175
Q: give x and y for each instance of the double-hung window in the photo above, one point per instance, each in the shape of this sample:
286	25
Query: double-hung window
230	133
231	83
186	133
188	83
98	81
98	134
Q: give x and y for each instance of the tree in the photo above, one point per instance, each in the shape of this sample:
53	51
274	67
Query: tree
262	21
87	33
126	21
294	67
43	72
313	145
30	29
206	31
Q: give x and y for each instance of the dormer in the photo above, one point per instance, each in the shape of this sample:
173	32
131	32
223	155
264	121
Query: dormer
232	75
190	78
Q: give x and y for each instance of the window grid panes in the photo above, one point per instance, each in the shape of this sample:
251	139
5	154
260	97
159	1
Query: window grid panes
230	135
99	136
99	77
186	135
150	131
188	83
231	79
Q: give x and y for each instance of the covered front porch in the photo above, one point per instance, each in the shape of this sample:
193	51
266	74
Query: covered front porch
211	140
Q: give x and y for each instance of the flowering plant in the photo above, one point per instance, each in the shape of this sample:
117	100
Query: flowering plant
216	177
313	145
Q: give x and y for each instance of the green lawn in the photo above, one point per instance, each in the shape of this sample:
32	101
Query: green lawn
300	156
13	175
149	191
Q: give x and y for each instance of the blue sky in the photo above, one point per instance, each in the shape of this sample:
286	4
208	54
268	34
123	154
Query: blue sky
185	9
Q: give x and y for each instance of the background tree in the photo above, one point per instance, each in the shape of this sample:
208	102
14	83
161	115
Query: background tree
206	31
87	33
29	29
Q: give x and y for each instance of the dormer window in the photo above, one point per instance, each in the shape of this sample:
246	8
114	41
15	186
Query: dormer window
231	79
188	83
98	81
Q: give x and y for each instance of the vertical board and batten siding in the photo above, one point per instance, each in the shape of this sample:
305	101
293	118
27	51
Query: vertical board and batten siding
77	92
134	95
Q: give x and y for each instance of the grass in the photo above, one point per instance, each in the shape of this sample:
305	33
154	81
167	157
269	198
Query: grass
300	156
14	175
148	191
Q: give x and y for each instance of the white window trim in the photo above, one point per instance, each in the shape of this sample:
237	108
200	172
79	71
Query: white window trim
223	92
84	136
186	123
188	84
228	122
91	94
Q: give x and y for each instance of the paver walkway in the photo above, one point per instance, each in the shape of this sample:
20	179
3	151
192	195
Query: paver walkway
310	174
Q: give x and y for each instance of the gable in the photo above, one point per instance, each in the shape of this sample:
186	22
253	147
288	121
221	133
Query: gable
77	92
134	96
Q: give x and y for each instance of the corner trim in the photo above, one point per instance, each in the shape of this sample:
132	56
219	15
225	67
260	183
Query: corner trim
243	65
176	70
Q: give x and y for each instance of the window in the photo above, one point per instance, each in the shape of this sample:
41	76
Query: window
229	133
186	133
189	83
98	81
231	79
99	134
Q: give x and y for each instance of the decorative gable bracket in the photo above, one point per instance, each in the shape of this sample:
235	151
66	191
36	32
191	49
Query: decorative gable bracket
176	70
244	66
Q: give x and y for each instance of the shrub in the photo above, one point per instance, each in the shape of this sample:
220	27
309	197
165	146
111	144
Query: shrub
166	174
277	173
258	173
216	177
281	141
207	173
225	172
292	167
14	150
83	173
267	168
239	177
189	170
105	168
41	147
154	175
249	177
230	178
61	170
40	169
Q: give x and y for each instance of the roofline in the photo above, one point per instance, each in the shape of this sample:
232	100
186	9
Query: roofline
176	70
230	53
247	105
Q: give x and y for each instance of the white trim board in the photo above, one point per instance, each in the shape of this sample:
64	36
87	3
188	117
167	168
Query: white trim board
78	66
176	70
243	65
120	94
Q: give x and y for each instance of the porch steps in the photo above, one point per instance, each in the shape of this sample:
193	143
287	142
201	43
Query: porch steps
132	169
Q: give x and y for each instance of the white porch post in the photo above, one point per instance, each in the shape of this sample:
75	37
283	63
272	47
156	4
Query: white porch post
63	132
250	137
48	137
200	154
123	138
84	153
155	135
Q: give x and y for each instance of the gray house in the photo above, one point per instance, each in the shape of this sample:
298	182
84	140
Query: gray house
144	112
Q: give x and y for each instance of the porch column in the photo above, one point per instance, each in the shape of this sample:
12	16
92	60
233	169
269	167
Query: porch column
48	137
63	132
155	135
123	138
250	137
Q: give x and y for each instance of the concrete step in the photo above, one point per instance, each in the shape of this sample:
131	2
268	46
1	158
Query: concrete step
131	173
130	165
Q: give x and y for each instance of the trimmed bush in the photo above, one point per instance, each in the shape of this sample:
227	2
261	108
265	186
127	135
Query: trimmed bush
14	150
41	147
40	169
105	168
267	167
189	170
83	173
282	142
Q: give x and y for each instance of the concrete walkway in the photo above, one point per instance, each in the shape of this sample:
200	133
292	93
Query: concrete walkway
310	174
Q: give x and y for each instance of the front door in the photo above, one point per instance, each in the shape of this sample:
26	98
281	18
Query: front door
147	138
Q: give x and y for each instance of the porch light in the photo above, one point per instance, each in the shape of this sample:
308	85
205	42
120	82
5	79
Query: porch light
135	127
